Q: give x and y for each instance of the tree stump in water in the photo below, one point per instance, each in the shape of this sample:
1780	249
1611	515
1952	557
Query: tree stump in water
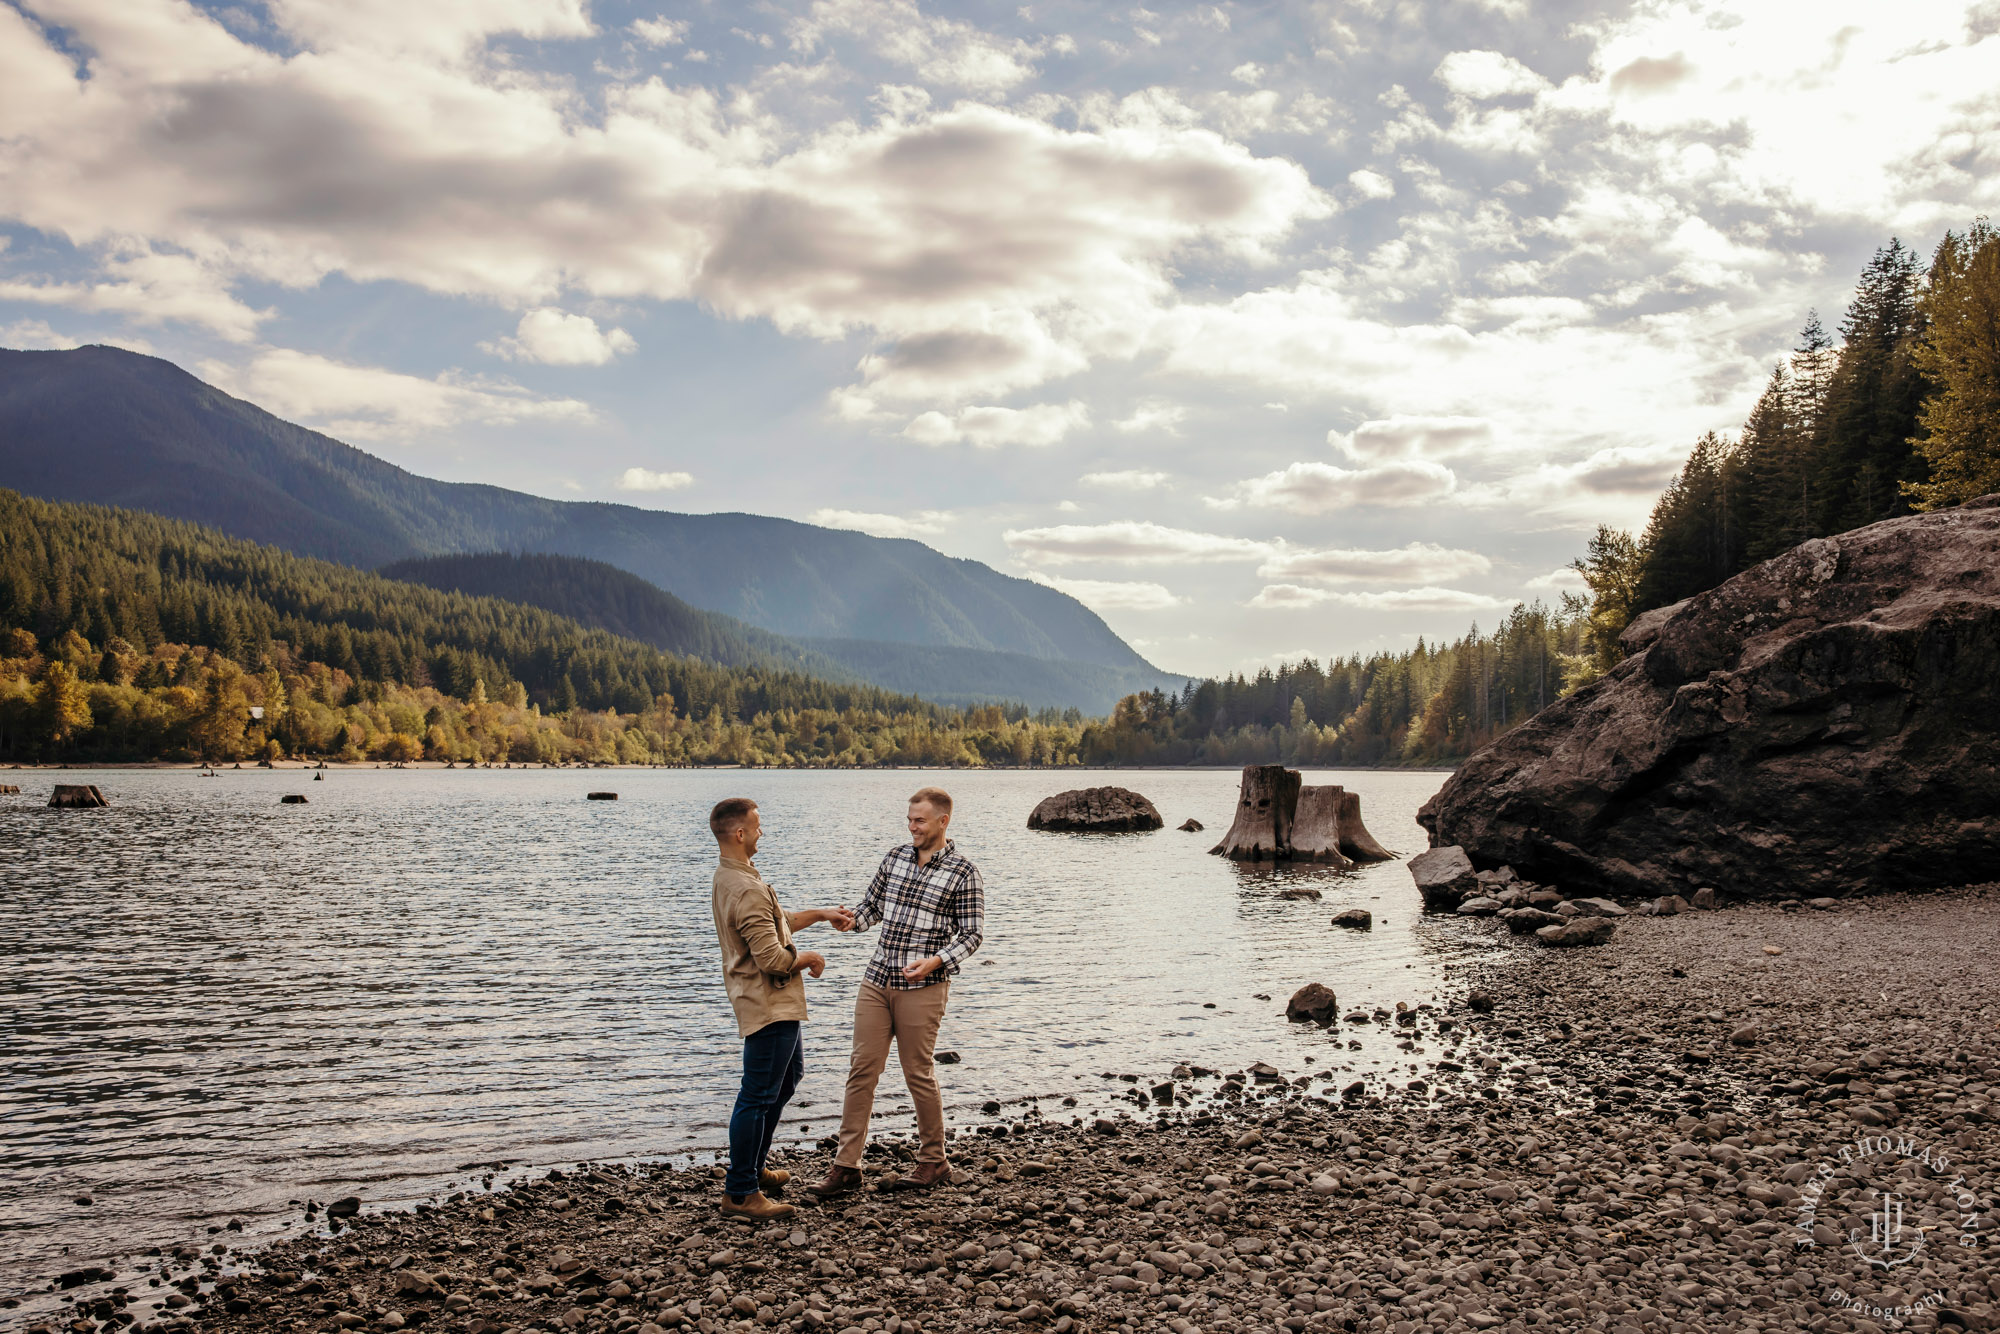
1316	827
1355	840
1262	829
75	795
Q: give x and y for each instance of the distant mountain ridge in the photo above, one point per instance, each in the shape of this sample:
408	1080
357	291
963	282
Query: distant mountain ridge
107	426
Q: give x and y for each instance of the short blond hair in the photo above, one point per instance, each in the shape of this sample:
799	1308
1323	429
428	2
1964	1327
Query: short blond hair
936	797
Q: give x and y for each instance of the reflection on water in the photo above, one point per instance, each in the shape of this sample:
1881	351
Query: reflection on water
215	1004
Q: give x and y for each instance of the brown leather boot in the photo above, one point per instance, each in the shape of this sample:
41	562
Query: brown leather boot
926	1176
774	1179
755	1206
839	1181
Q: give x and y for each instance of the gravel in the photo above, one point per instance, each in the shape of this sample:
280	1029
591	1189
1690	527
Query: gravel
1625	1139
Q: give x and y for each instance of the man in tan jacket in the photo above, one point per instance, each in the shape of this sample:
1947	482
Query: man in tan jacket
761	970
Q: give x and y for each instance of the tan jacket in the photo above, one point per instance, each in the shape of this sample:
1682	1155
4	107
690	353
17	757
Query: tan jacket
759	962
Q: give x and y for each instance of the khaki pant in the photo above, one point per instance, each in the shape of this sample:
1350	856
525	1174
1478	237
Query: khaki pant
912	1019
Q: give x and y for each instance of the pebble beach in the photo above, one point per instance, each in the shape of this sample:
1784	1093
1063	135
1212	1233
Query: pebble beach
1688	1128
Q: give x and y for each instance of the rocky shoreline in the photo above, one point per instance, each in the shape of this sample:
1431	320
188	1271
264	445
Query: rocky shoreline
1676	1131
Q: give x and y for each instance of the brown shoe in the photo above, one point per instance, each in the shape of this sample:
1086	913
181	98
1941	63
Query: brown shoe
774	1178
755	1206
926	1176
839	1181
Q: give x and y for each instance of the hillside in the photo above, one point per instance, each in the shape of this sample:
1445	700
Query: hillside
101	425
128	636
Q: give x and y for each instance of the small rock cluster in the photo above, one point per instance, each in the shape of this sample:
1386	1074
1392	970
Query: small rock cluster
1447	881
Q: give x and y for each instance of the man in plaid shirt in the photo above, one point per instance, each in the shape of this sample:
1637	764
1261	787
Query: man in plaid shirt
931	903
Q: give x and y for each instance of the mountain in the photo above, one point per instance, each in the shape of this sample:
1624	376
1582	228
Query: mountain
103	425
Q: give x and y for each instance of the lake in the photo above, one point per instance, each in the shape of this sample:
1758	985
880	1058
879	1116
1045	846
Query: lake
215	1003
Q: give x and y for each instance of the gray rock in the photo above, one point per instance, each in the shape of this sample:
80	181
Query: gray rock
1822	904
1358	919
1312	1003
1191	826
1299	892
1444	877
1106	810
1669	905
1705	899
1479	907
1578	931
1597	908
1523	920
1776	726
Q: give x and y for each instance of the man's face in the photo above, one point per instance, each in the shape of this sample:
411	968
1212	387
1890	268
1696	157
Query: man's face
751	828
927	824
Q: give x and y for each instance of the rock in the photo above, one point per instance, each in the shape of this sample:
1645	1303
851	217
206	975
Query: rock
1705	900
1480	1001
77	796
1444	877
1776	726
1191	826
946	1058
1359	919
1104	1126
1521	921
1669	905
345	1207
1479	907
1104	810
291	799
1578	931
1597	908
601	796
1746	1036
1312	1003
1822	904
1299	892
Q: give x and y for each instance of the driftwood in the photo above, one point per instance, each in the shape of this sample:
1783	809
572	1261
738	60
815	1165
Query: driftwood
1262	830
76	795
1280	819
1316	828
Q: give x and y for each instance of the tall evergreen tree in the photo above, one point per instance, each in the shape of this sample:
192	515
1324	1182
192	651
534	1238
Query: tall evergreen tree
1864	455
1959	353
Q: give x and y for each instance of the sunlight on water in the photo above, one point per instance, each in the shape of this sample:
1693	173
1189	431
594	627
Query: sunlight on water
215	1003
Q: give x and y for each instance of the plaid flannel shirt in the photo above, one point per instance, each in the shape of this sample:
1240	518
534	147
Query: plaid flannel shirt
936	909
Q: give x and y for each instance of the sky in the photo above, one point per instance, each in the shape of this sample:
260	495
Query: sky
1263	329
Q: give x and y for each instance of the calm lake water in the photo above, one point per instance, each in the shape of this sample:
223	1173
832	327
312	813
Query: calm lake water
215	1003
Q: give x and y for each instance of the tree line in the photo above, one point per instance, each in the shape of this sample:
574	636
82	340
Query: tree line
1901	417
126	636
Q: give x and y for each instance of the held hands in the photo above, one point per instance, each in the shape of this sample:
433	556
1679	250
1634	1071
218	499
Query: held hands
841	918
922	969
812	962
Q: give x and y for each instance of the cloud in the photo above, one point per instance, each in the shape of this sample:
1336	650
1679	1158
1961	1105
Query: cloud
1418	562
150	287
1131	479
1127	542
1319	488
660	31
1289	597
1648	75
1484	75
939	50
645	479
991	427
1153	415
554	338
372	403
922	523
1369	184
1111	594
1564	580
1413	437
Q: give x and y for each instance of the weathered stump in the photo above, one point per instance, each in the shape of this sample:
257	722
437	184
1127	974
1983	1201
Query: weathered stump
77	796
1262	829
1355	840
10	789
291	799
1316	827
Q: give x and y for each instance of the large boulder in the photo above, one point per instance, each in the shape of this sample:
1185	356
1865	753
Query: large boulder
1107	810
1444	877
1313	1003
1822	723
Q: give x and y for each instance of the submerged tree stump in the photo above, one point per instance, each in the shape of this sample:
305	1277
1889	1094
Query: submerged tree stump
1316	828
77	796
1355	840
1262	830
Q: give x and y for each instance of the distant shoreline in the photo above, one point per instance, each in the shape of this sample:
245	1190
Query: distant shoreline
299	766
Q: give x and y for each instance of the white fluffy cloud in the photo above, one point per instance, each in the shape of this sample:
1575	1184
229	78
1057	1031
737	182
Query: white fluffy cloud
1320	488
645	479
1129	479
1127	542
555	338
373	403
1417	563
992	427
1292	597
1113	594
1413	437
923	523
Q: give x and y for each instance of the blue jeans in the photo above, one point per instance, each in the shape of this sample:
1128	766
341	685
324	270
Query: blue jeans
774	1058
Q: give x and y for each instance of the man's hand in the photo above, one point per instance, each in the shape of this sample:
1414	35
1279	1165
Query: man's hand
811	962
841	917
922	969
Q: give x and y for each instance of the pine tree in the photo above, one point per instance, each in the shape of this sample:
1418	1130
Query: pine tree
1959	354
1864	454
1767	468
1690	543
